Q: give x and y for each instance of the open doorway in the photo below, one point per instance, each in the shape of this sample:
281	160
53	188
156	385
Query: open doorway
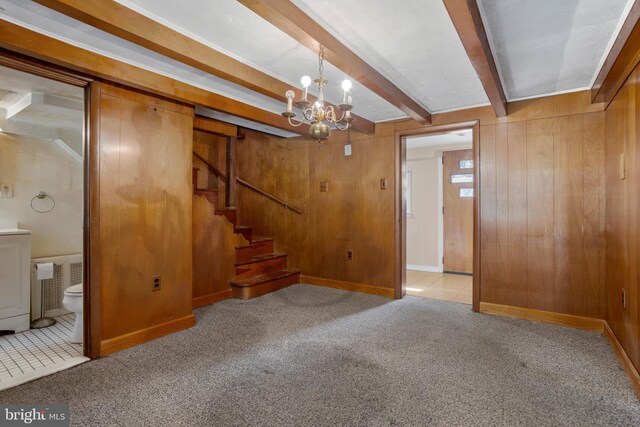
42	233
438	202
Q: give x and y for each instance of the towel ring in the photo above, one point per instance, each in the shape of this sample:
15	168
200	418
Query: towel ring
42	195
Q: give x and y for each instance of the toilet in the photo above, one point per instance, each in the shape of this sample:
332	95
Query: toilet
72	301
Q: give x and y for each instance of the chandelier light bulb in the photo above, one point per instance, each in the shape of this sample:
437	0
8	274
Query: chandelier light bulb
305	81
346	85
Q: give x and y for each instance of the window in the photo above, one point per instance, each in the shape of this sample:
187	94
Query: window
461	178
465	164
466	192
408	193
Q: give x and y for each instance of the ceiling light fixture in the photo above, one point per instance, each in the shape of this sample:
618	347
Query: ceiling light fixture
319	115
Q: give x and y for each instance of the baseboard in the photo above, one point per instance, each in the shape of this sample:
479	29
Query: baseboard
429	268
138	337
561	319
211	298
625	361
348	286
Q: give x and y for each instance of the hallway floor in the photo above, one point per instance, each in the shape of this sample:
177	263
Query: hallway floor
312	356
442	286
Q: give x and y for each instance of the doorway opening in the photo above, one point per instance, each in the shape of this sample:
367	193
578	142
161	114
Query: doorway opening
43	232
437	212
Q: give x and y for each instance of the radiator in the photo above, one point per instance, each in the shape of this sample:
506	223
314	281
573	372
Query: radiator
67	271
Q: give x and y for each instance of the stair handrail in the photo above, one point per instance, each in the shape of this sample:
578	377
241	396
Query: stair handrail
211	168
241	181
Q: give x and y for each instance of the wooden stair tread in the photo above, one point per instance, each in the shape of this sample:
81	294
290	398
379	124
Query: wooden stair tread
242	227
256	240
267	277
205	190
263	257
226	209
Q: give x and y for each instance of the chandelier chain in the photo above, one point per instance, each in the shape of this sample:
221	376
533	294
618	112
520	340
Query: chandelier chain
321	60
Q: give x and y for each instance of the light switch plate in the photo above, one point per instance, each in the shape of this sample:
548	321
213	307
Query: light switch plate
347	150
384	183
6	191
622	166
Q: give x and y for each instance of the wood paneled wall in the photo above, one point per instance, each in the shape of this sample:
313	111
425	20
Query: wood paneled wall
145	215
623	219
542	202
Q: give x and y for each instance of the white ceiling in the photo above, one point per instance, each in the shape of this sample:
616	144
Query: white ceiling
541	46
550	46
459	139
412	42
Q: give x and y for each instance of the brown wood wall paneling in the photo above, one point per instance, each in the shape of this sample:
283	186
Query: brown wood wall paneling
145	215
542	200
622	199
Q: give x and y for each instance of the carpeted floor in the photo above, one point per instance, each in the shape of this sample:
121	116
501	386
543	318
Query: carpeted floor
310	356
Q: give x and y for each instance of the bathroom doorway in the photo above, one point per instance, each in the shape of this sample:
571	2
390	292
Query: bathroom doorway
436	213
43	218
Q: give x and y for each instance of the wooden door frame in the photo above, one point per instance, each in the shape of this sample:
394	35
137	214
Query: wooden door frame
91	240
400	231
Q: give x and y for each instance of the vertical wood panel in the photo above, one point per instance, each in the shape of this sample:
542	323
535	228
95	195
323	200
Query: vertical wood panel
517	218
488	227
593	204
540	191
568	214
501	292
145	210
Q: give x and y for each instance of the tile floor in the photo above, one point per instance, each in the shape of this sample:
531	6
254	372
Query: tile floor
442	286
38	352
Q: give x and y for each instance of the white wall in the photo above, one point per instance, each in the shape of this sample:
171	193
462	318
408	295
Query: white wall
423	244
32	165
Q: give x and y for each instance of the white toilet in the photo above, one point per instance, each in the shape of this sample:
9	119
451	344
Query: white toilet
72	301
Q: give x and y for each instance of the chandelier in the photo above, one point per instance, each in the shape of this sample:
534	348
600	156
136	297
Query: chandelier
319	115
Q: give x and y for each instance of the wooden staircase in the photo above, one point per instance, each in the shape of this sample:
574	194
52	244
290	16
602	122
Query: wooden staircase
259	270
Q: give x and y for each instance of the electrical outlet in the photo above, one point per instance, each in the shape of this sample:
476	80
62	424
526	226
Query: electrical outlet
155	282
324	186
6	191
349	255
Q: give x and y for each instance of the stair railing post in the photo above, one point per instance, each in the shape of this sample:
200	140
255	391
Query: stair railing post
231	185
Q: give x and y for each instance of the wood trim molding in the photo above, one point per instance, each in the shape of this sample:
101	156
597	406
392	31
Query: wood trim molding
348	286
216	127
212	298
468	23
33	44
40	68
92	290
290	19
400	217
119	20
621	60
139	337
570	320
625	361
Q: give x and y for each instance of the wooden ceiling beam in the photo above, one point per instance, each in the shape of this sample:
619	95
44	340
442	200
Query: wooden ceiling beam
468	23
27	42
621	60
120	21
294	22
